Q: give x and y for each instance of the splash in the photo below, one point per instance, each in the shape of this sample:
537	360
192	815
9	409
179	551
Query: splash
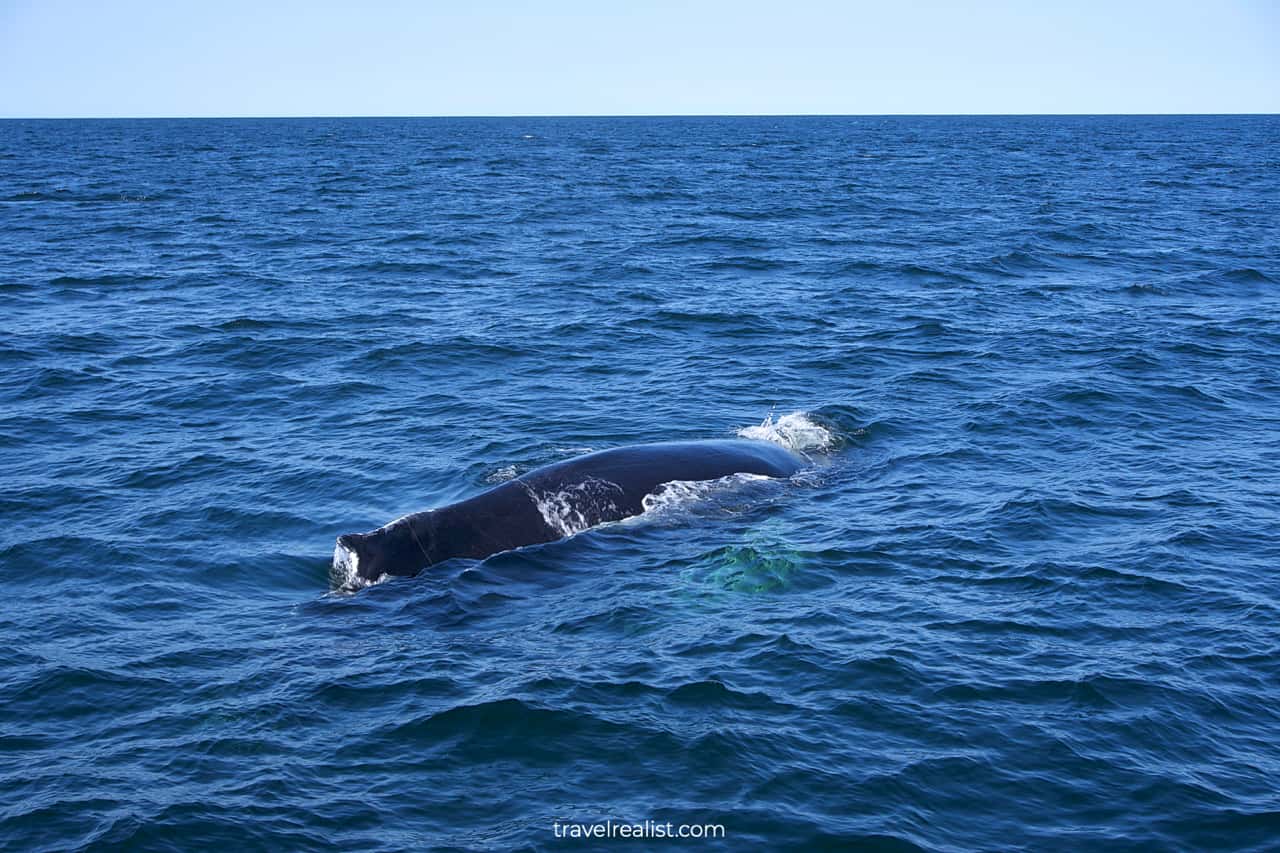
344	572
794	431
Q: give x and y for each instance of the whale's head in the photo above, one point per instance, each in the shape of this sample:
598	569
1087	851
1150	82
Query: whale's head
362	559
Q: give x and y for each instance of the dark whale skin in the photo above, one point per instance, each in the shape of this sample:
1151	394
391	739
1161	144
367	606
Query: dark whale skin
608	485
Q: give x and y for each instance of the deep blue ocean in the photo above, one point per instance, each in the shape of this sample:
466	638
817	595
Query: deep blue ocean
1025	596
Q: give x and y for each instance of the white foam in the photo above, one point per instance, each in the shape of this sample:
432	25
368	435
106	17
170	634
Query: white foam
345	571
566	511
677	495
344	575
506	472
794	432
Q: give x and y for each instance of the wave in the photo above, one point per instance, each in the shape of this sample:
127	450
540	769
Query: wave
106	279
746	263
725	322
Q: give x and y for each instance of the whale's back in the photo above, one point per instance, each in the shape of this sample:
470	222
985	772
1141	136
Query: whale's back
634	472
551	502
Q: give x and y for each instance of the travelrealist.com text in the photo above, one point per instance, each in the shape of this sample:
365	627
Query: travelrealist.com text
643	829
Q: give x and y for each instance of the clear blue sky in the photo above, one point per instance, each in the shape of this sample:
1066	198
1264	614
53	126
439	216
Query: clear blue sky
593	57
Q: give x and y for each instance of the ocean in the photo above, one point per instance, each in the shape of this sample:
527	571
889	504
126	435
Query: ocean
1025	594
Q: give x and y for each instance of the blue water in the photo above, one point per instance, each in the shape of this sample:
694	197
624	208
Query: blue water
1025	596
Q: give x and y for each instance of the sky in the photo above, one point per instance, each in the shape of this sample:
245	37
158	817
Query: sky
660	57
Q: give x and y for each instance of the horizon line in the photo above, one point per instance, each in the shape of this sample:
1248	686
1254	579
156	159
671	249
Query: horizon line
173	117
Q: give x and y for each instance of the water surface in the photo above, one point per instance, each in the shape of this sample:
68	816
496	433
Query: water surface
1025	596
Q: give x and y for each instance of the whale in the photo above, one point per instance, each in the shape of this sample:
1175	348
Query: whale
547	504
